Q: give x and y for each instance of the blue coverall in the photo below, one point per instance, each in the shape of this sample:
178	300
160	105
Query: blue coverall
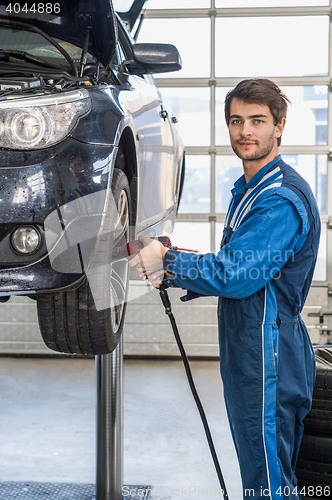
262	275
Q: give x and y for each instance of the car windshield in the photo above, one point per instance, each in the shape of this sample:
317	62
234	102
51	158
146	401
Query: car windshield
34	44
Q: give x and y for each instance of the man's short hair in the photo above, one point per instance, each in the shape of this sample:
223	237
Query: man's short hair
259	91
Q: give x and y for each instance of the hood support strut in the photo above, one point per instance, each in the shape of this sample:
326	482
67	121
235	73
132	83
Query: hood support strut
85	51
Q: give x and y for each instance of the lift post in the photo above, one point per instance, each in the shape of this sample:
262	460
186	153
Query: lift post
109	423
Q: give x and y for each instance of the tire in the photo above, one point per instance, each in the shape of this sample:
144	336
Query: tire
314	465
89	320
319	419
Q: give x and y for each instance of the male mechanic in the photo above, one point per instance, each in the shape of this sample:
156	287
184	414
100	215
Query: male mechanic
261	275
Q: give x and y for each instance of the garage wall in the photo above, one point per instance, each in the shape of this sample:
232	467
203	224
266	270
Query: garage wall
196	95
147	330
19	332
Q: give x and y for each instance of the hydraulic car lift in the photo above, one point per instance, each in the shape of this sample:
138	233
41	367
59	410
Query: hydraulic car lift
109	416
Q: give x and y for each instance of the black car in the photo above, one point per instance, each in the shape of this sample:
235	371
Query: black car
89	159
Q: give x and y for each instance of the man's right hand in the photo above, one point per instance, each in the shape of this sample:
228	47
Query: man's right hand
149	261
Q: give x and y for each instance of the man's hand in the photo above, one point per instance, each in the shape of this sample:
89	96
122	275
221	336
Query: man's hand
149	261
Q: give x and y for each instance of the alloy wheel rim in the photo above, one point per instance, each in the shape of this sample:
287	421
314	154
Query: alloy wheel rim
119	268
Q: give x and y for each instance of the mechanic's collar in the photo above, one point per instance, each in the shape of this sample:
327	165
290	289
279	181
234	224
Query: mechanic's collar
241	186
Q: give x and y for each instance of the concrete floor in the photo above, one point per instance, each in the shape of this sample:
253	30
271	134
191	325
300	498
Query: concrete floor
47	425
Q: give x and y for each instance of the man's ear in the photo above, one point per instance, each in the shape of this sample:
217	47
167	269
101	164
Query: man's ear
280	128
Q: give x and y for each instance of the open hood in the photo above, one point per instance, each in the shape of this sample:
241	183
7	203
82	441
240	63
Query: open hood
69	20
129	10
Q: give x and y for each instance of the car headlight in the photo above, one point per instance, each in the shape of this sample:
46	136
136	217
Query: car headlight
40	121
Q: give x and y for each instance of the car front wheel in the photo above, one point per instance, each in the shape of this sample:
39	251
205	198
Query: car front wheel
89	320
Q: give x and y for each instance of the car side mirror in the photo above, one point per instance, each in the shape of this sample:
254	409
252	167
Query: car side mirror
154	58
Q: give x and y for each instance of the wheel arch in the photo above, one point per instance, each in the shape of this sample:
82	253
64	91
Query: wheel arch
126	161
182	172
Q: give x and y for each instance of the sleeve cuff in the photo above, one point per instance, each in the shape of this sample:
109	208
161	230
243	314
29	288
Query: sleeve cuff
169	259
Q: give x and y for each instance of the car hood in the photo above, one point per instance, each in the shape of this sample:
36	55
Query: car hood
71	23
129	10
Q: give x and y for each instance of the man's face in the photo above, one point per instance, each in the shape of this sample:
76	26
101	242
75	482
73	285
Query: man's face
81	171
252	132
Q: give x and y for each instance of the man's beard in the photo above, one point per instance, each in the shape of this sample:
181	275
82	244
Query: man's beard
259	154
